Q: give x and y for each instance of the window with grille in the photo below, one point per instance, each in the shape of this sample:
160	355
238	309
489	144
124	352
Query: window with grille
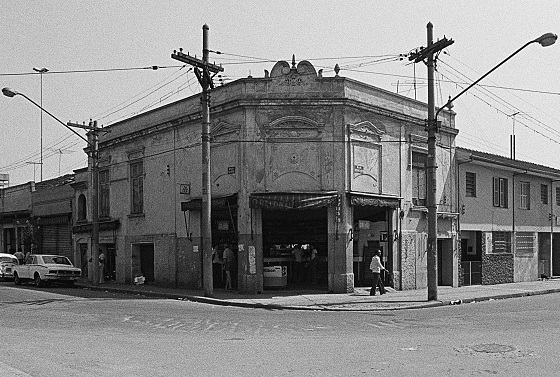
419	178
524	195
524	244
544	194
470	184
501	242
137	186
558	196
104	193
500	197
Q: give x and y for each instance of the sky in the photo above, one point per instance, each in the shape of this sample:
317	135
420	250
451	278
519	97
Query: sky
100	56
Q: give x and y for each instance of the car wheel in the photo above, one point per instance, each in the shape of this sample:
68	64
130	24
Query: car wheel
17	280
38	281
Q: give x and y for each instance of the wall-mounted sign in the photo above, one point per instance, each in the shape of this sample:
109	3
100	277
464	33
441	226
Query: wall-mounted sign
383	237
185	188
231	170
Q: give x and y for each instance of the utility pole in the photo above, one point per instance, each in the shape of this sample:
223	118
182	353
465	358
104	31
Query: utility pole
512	138
432	125
202	70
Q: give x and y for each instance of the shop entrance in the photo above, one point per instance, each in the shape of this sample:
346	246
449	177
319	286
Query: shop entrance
371	232
289	238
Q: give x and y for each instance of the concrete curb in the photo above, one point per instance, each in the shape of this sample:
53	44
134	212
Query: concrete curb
352	308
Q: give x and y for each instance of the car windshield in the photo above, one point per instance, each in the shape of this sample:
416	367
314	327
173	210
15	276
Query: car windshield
53	259
9	260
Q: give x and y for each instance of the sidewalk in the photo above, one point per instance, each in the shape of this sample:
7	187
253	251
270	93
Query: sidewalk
360	300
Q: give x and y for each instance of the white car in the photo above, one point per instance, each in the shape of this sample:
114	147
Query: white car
43	268
7	263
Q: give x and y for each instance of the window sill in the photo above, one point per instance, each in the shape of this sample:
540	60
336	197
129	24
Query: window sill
136	215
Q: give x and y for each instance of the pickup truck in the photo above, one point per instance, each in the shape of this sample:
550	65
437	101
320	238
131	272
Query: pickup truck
43	268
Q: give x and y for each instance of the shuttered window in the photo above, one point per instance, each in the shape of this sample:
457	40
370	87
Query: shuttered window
544	194
470	184
419	178
137	186
500	197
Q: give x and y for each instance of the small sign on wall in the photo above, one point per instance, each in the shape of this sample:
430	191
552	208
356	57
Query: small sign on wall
185	188
383	237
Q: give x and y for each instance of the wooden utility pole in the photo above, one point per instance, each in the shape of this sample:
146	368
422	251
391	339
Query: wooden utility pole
202	70
431	168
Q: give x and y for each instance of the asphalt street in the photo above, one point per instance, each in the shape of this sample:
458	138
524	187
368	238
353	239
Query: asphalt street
60	331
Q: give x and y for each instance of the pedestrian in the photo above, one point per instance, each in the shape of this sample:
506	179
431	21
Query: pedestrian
101	267
229	260
20	256
217	263
376	267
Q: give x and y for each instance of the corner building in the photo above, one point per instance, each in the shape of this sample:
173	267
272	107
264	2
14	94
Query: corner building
298	160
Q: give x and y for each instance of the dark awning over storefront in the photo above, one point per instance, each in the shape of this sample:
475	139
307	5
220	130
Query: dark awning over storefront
357	199
217	203
295	200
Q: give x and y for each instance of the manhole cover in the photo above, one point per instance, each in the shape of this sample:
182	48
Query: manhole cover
492	348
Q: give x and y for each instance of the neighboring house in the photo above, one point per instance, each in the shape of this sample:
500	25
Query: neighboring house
82	223
297	158
37	217
509	218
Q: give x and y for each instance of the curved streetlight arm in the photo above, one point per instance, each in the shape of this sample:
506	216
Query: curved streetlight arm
6	91
550	39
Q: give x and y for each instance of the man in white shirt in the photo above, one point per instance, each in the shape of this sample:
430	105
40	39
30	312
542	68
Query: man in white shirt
376	267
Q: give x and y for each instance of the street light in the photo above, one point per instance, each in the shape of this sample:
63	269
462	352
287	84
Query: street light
94	147
41	71
544	40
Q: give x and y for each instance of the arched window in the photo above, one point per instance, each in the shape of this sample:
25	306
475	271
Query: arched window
82	207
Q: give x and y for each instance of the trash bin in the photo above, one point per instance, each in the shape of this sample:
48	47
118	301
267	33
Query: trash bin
275	276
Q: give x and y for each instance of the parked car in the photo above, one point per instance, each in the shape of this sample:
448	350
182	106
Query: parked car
43	268
7	263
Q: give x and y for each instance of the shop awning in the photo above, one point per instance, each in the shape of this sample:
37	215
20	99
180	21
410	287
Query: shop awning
295	200
362	199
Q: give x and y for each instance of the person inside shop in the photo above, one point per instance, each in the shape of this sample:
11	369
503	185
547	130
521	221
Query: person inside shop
229	260
217	262
313	265
376	267
298	265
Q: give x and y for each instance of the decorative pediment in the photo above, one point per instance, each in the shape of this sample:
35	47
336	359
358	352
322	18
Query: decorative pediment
293	127
224	129
365	131
282	68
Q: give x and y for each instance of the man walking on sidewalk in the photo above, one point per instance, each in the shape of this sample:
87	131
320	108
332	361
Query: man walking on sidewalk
376	268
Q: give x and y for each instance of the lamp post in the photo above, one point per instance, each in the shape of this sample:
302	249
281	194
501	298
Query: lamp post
93	132
544	40
41	71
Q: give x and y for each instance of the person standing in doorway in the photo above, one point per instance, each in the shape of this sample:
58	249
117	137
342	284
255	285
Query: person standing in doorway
298	265
376	267
229	260
101	267
313	265
217	263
